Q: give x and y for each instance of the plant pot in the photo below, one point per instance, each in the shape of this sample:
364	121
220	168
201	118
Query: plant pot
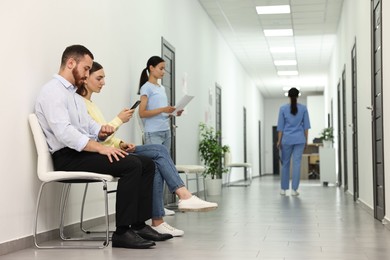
214	186
327	143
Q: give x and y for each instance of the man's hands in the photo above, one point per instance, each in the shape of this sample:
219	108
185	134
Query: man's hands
112	153
126	114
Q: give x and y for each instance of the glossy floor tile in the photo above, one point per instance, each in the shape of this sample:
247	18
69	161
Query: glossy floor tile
256	222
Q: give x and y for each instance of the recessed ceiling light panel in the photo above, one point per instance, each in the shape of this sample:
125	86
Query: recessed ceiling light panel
278	32
273	9
282	49
285	62
288	73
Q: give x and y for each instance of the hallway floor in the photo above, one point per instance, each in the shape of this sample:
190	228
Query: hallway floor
256	222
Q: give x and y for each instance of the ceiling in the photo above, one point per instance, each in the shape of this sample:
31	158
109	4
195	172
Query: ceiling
314	24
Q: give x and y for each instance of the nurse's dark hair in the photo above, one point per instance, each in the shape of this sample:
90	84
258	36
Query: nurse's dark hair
153	61
293	94
77	52
82	91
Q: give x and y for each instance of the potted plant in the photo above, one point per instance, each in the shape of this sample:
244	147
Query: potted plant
327	136
211	154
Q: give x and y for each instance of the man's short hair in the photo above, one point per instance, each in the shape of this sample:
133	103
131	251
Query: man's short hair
76	52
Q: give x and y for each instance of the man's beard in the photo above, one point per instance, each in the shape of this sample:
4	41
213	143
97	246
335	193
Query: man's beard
78	80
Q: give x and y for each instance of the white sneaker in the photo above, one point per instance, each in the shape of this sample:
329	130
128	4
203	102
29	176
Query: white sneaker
169	212
196	204
165	228
283	192
294	193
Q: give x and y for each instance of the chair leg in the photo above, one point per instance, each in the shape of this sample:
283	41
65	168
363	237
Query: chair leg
197	184
36	215
63	203
82	211
204	188
229	174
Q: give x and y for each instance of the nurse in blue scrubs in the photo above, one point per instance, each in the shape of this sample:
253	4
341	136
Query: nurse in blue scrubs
293	128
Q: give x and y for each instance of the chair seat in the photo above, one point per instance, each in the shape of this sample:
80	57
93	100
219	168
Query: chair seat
193	169
190	168
239	165
69	176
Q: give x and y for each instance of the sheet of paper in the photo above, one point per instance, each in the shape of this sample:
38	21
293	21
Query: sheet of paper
182	103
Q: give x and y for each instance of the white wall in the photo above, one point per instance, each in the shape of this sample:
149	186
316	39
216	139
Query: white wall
315	106
355	22
122	35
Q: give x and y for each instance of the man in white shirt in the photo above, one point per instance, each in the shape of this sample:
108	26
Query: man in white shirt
73	139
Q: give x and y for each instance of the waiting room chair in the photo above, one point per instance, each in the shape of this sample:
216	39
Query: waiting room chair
193	172
230	165
47	175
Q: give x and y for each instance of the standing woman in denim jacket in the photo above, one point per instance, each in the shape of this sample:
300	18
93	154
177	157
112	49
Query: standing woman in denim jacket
293	127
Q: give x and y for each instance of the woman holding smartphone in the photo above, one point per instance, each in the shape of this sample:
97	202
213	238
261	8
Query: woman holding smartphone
165	168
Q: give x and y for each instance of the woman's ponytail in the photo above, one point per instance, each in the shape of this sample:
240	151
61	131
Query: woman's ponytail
293	94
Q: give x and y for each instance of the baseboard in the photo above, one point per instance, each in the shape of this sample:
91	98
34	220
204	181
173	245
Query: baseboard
27	242
365	207
386	222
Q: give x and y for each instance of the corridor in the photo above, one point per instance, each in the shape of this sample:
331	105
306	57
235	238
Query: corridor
257	223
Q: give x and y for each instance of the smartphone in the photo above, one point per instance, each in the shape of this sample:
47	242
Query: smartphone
135	104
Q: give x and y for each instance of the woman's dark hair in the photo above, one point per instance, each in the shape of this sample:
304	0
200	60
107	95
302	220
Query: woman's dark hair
293	94
82	91
153	61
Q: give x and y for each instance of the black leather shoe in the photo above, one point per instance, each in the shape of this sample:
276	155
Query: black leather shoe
150	234
129	239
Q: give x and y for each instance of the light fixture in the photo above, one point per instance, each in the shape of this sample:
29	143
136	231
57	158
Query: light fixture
285	62
288	73
273	9
278	32
282	49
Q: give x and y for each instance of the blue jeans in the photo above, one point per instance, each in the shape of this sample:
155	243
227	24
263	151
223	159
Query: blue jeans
165	170
296	151
161	137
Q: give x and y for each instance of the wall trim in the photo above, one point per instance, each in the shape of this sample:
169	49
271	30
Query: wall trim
28	242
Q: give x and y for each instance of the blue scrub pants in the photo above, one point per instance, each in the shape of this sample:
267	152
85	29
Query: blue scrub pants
295	151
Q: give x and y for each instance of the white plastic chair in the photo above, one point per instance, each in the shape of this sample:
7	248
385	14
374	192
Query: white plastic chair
230	165
189	171
47	175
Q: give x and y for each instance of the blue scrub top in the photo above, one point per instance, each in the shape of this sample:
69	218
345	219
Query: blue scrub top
293	126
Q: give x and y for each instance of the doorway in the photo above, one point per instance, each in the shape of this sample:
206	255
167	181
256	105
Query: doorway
168	81
275	151
377	112
355	150
344	133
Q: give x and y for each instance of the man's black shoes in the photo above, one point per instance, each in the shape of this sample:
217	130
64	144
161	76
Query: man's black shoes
150	234
130	239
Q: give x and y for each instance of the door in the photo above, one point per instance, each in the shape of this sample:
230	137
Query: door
377	112
245	143
344	133
275	151
355	159
168	54
260	155
339	134
218	115
218	111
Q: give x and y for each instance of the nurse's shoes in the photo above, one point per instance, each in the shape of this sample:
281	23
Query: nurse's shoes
294	193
